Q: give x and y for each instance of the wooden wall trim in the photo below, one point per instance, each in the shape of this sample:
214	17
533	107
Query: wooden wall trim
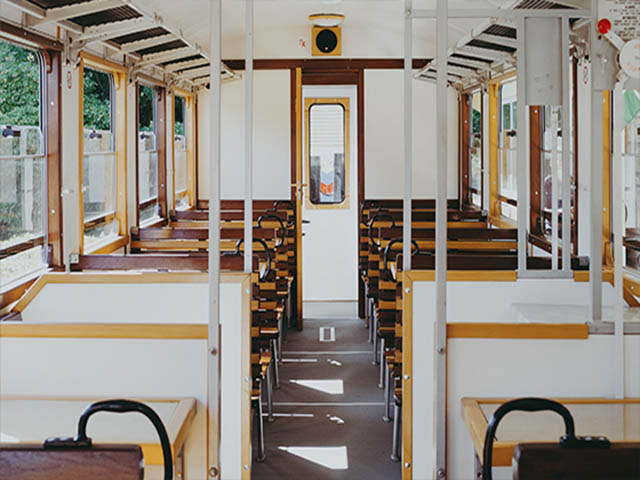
15	32
492	137
535	159
292	127
121	278
104	330
326	63
498	330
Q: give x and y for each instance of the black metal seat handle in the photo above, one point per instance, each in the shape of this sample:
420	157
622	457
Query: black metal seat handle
117	406
530	404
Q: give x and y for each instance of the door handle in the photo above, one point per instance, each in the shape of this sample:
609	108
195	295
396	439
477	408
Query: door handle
306	222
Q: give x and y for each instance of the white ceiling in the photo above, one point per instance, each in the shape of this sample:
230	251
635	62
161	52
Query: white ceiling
372	28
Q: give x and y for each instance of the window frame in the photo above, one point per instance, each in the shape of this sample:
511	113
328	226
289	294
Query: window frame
190	136
308	104
472	190
537	126
44	70
159	106
119	126
52	84
502	198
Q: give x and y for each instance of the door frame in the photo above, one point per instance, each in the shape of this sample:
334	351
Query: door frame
319	76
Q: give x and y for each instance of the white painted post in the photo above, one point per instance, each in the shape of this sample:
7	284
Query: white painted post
554	187
440	361
213	370
408	136
248	140
71	155
522	136
132	151
485	149
566	150
617	202
595	255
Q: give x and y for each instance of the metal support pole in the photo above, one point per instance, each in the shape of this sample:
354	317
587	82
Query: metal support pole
440	361
595	263
248	138
554	188
618	205
408	137
213	370
522	136
566	150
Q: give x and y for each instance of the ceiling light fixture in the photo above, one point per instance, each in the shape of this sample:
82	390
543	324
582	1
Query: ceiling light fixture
326	20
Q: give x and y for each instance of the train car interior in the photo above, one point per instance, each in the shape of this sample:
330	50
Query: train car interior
320	239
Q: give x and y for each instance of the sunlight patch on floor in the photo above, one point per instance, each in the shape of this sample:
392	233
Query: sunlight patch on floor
332	387
333	458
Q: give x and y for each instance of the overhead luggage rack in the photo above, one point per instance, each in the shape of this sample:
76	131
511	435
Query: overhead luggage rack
126	28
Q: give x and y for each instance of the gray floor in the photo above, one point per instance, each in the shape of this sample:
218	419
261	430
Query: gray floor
354	441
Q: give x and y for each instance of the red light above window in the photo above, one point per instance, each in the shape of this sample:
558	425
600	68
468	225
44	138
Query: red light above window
604	26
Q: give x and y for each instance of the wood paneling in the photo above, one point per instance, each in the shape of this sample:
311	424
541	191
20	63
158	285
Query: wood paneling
326	63
535	158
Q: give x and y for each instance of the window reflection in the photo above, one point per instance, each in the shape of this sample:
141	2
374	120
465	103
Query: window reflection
327	168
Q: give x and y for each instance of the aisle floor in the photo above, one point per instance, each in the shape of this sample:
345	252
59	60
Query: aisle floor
328	409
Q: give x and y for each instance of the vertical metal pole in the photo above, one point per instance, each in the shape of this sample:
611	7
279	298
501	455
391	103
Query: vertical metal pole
595	263
213	365
566	150
618	205
554	188
408	136
248	138
486	198
440	362
522	136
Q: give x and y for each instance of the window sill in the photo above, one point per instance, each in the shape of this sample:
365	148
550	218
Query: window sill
108	246
13	291
503	222
152	222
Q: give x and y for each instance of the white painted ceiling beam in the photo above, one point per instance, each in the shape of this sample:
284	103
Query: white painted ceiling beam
167	56
195	72
483	53
109	30
175	67
498	40
57	14
147	43
470	63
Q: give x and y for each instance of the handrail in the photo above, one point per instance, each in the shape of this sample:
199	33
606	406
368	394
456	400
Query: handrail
380	214
282	227
386	271
266	273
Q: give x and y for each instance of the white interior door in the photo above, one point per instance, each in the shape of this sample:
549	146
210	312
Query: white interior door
329	168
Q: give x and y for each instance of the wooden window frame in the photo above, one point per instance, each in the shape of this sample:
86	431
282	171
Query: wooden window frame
190	139
51	51
308	104
161	142
465	132
119	73
537	235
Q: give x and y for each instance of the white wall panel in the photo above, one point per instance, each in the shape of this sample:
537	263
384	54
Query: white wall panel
504	367
143	368
271	143
384	151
